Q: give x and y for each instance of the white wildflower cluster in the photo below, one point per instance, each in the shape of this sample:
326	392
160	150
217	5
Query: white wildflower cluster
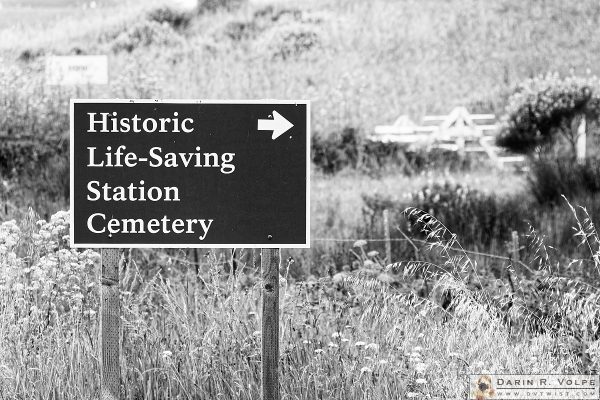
54	233
9	236
42	273
65	279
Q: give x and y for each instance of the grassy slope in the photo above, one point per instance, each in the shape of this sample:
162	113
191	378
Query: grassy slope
383	58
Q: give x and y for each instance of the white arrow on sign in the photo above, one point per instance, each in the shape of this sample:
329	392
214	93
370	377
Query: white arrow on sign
278	125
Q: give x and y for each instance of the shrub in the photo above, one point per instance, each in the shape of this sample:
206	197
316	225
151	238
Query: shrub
274	14
145	33
240	30
35	173
29	55
544	109
284	41
270	15
549	180
474	216
332	154
214	5
177	19
348	149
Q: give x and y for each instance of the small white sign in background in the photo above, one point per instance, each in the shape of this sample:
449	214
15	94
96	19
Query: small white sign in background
77	70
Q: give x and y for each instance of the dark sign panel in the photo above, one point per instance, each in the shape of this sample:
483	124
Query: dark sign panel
148	173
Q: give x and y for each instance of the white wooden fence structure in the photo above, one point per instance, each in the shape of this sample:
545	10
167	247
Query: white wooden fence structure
458	131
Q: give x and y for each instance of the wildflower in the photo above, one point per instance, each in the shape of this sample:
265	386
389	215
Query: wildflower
359	344
78	296
411	394
365	369
418	349
373	346
383	361
360	243
331	344
421	381
421	367
318	351
335	334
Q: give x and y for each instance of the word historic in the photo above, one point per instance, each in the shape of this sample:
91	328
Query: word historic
110	123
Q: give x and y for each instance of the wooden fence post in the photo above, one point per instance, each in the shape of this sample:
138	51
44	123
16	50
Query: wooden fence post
270	259
110	324
514	246
386	232
580	146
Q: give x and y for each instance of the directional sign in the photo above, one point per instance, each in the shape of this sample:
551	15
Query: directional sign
77	70
189	173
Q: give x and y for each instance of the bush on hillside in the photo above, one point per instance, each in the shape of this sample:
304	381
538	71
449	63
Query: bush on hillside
274	14
270	23
177	19
146	33
474	216
288	41
334	153
214	5
240	30
31	54
547	109
35	172
549	180
348	149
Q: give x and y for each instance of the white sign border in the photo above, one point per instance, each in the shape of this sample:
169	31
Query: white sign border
73	245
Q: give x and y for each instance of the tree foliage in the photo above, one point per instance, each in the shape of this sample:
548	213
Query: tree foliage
544	109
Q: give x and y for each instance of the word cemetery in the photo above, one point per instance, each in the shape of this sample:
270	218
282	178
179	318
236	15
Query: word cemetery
189	174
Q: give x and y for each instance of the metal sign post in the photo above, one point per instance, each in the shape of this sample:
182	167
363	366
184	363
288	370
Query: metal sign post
110	325
270	259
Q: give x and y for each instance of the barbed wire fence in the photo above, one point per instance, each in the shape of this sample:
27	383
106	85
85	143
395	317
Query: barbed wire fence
222	258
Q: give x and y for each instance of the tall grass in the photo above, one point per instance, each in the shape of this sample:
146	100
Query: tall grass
197	335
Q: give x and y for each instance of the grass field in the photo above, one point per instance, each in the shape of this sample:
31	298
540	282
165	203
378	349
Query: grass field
352	326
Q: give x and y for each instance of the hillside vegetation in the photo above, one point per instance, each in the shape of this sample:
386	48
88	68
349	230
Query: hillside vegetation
362	63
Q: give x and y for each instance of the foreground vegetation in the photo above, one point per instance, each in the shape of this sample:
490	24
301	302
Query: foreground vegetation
354	336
